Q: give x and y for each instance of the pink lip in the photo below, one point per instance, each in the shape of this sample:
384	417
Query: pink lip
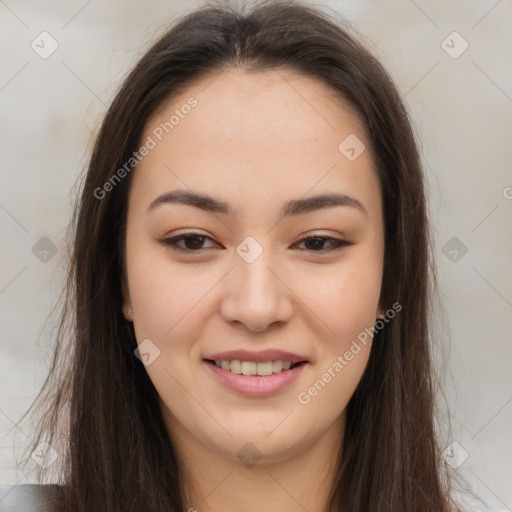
257	357
255	385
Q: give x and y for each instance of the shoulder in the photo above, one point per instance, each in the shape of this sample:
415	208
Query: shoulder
29	497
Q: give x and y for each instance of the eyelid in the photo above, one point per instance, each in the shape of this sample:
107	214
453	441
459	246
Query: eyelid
336	243
171	242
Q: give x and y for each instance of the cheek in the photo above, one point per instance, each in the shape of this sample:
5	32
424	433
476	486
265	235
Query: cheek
169	299
161	298
343	299
156	291
345	304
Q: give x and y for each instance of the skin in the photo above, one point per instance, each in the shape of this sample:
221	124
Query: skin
255	141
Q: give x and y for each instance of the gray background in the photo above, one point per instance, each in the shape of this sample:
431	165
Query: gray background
461	108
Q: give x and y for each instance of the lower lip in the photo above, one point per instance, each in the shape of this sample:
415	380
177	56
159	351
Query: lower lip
255	385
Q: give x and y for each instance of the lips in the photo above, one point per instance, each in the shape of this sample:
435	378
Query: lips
256	385
256	374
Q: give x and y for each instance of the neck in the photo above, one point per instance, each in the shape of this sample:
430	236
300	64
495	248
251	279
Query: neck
290	482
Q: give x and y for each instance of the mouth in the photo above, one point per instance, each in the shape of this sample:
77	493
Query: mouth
242	377
253	368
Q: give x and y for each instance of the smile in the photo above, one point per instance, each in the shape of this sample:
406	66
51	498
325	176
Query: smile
254	379
253	368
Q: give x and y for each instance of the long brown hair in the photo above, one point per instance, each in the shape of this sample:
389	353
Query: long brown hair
100	410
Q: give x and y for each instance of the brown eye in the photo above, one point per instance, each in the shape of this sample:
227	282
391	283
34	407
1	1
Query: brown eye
187	243
317	243
194	242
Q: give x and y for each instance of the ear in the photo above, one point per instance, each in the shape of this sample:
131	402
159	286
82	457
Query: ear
382	305
127	303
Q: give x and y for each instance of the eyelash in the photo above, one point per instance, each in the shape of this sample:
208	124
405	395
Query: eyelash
172	243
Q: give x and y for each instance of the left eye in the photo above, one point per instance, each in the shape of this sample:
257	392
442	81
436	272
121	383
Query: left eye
316	243
194	243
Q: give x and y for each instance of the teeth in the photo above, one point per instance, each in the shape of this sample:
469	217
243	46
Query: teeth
277	366
235	367
249	368
252	368
264	368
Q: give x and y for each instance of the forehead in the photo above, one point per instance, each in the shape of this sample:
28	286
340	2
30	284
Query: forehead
268	133
260	104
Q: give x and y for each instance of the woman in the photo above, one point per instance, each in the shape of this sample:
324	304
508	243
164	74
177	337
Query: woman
246	320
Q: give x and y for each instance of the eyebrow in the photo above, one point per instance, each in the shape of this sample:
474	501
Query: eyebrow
290	208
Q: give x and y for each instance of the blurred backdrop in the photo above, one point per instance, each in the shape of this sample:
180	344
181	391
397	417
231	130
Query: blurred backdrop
61	64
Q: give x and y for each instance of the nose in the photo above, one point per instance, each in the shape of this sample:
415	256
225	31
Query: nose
256	296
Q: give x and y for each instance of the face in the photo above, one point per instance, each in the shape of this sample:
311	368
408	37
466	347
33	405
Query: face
256	272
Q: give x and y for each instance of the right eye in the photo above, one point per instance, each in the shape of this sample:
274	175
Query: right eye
190	242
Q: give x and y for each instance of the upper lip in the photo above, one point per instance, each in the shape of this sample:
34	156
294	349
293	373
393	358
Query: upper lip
257	357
